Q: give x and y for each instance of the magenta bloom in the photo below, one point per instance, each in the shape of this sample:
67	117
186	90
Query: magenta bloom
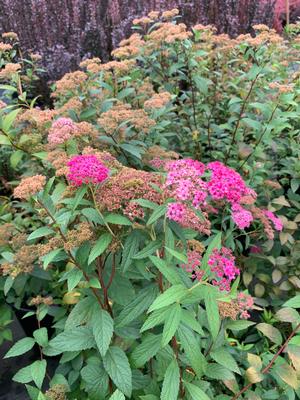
222	264
278	225
241	216
85	169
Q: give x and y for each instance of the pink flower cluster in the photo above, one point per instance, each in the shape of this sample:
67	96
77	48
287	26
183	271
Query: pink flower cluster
278	225
85	169
222	264
195	186
245	303
226	184
241	216
193	264
61	131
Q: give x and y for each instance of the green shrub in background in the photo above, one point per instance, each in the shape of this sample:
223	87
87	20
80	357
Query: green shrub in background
132	229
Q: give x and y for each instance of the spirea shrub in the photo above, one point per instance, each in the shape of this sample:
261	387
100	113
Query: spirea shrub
145	218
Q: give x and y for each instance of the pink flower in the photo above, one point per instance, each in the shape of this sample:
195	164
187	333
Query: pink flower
226	184
85	169
241	216
193	264
176	212
278	225
245	303
222	264
61	131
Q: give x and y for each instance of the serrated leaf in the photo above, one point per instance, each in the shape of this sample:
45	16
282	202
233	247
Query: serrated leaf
95	379
239	325
21	347
223	357
103	328
155	318
38	372
81	313
195	392
192	350
168	272
148	250
170	387
135	308
179	256
79	338
171	324
214	244
216	371
117	366
157	213
189	319
23	375
53	256
212	311
41	336
40	232
117	219
100	246
9	119
270	332
170	296
146	350
131	247
117	395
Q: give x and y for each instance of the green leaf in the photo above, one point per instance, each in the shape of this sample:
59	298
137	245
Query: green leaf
216	371
168	272
117	395
117	366
100	246
270	332
170	387
40	232
192	350
92	215
73	278
146	350
79	338
195	392
16	157
38	372
294	302
95	379
212	311
9	119
171	324
23	375
4	140
239	325
223	357
103	328
214	244
181	257
157	213
78	197
155	318
133	150
117	219
81	313
53	255
21	347
173	294
148	250
130	249
288	375
41	336
189	319
135	308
